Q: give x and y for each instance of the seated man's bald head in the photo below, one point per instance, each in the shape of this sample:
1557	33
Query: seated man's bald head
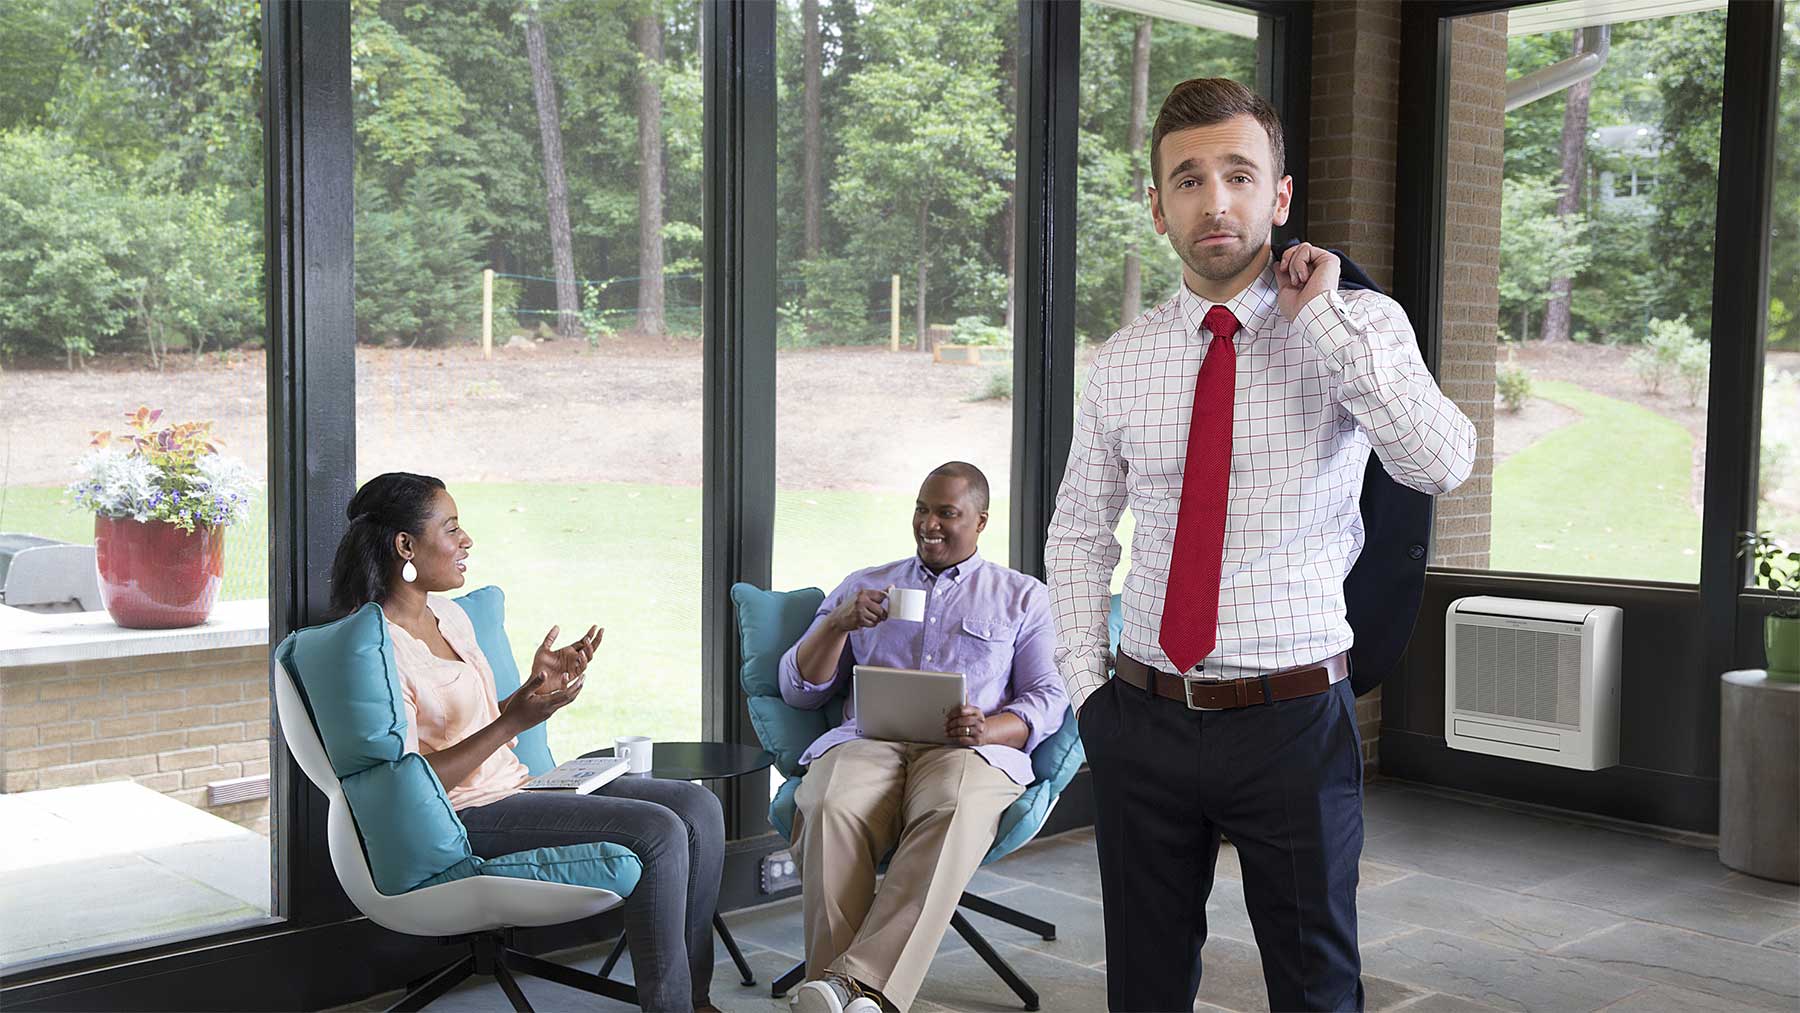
978	483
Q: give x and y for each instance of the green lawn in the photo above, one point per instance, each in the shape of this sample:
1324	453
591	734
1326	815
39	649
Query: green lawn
1607	496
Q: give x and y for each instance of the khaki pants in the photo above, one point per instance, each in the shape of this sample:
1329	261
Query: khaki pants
936	808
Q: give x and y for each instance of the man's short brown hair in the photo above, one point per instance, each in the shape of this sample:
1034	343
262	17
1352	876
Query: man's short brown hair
1204	101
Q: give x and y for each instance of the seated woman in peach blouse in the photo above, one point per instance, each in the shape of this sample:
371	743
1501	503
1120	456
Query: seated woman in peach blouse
404	542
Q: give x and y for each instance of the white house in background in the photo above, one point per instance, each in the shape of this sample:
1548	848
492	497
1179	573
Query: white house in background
1630	152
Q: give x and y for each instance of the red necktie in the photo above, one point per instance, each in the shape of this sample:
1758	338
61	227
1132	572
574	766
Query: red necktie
1190	619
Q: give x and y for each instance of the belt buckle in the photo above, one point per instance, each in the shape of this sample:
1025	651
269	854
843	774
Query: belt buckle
1187	689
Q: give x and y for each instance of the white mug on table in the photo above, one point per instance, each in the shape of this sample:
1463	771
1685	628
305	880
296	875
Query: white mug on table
635	750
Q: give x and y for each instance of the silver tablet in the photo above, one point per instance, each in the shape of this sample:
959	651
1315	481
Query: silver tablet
905	705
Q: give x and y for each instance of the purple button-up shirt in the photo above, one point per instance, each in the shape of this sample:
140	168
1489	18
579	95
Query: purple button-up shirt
988	622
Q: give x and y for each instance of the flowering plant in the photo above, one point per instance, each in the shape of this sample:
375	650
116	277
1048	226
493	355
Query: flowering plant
174	474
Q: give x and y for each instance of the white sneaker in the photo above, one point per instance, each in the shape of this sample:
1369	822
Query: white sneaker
832	994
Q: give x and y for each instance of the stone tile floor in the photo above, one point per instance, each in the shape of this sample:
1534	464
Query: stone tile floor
1467	904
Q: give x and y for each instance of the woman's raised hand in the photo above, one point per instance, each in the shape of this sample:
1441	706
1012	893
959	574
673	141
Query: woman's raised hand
565	665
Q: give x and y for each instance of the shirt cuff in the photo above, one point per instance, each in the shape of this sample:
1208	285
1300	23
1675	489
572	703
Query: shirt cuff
1030	725
1079	695
1084	669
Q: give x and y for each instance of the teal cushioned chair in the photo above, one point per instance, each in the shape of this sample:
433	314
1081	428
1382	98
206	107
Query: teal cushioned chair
769	622
397	846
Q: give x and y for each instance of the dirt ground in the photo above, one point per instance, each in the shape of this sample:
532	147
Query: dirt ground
630	410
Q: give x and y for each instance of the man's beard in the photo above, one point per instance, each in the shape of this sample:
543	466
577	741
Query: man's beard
1220	266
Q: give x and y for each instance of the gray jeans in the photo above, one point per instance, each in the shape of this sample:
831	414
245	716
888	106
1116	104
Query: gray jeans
675	827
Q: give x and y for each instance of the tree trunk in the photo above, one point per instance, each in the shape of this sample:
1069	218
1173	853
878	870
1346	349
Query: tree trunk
1009	222
1574	148
1009	73
650	172
1131	303
809	12
556	183
149	330
924	262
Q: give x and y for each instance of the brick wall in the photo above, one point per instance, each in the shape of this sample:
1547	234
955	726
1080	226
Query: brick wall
1471	293
1350	203
1355	117
172	722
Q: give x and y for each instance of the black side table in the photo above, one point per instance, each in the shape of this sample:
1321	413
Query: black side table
699	761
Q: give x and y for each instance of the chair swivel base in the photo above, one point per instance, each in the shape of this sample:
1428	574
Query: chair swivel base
724	931
489	954
977	942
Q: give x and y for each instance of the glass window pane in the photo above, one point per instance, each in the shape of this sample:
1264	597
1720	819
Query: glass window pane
528	321
1578	287
135	804
895	164
1778	487
1129	63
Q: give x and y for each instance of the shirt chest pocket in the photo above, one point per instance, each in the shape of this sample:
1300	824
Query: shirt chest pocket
986	640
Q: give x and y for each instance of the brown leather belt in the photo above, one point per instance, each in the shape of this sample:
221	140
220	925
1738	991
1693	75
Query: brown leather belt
1224	694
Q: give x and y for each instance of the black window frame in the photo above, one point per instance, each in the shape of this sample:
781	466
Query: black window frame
1727	633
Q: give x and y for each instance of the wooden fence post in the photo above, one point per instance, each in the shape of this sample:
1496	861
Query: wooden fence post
894	316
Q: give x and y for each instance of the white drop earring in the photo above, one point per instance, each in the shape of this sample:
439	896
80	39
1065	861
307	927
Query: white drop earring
409	572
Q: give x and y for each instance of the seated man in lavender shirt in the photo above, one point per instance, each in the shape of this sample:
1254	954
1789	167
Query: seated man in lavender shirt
934	807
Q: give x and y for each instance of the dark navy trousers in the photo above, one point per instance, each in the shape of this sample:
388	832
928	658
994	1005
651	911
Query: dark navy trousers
1283	782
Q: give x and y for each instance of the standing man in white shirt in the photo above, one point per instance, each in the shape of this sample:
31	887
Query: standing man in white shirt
1235	420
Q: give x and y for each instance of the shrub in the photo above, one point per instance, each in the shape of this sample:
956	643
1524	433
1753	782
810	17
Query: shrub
835	306
596	321
507	293
1773	470
1692	364
790	327
418	274
975	330
999	386
61	241
1782	332
1514	385
1672	351
194	272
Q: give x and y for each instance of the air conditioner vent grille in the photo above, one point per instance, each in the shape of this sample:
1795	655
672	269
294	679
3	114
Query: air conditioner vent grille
1519	673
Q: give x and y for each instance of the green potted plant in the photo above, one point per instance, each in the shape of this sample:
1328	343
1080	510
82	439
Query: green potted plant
162	497
1777	568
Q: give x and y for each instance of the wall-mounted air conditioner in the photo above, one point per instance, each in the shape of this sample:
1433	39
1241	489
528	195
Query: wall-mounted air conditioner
1533	680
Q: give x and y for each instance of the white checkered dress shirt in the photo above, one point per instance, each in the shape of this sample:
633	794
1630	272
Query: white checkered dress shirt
1311	399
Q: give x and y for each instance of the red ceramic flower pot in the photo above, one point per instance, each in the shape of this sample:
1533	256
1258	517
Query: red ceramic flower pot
155	576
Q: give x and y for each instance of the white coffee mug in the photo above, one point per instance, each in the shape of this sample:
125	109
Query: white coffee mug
906	603
635	751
